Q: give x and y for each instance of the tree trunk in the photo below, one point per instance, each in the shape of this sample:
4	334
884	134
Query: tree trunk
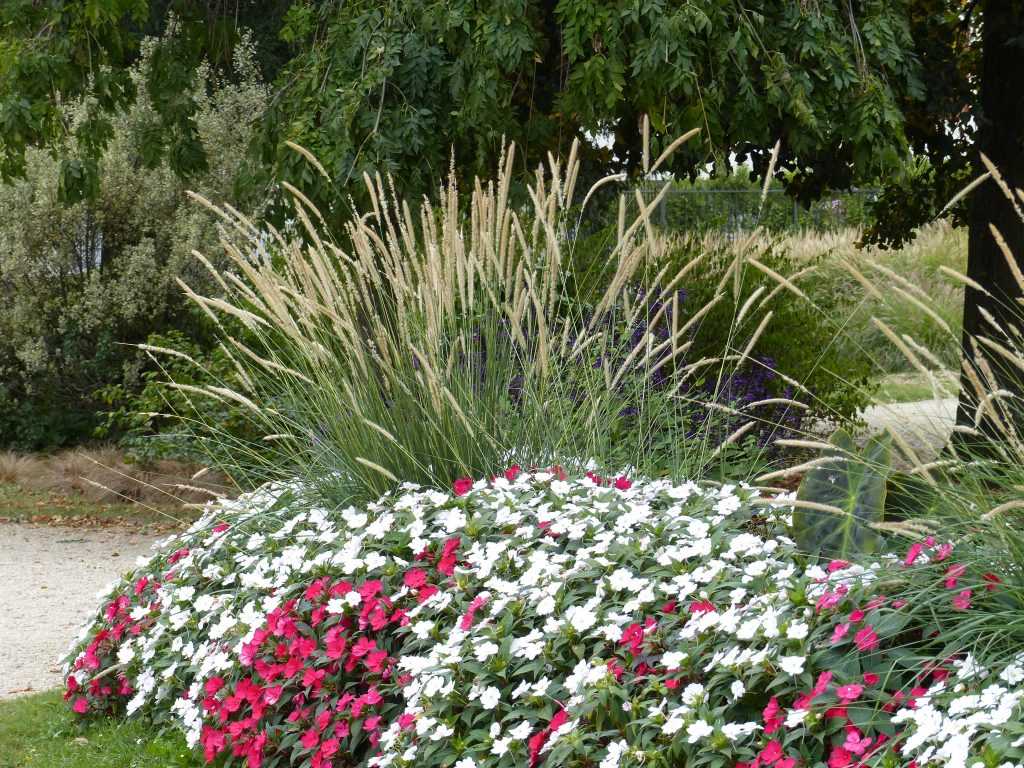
1000	136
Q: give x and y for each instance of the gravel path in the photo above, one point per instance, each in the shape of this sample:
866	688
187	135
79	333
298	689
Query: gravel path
49	577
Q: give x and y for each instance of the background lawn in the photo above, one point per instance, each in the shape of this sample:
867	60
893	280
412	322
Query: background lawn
39	731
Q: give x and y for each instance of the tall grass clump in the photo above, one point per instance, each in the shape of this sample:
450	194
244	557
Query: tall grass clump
428	343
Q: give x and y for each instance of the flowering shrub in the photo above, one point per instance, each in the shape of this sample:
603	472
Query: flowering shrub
531	619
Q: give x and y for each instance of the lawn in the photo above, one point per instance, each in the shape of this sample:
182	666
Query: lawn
39	732
19	504
911	387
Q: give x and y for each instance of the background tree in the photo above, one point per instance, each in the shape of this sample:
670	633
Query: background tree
850	87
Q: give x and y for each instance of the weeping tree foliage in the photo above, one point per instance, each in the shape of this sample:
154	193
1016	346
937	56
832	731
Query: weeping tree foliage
848	88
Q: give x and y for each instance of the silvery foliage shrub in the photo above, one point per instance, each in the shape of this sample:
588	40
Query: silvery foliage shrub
530	619
78	281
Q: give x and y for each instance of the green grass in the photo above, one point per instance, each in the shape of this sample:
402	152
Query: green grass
911	387
39	732
24	505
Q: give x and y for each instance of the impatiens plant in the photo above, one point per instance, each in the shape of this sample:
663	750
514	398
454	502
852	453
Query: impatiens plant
532	619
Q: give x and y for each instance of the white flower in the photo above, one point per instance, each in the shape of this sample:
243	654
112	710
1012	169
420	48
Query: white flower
521	731
737	689
581	618
797	630
736	731
490	697
441	732
500	746
466	762
672	725
614	754
792	665
673	659
697	730
795	717
484	651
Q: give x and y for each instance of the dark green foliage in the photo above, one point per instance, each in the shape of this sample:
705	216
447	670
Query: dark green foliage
403	85
155	421
855	485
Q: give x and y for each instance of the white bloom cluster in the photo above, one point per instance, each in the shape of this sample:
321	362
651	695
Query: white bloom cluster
558	593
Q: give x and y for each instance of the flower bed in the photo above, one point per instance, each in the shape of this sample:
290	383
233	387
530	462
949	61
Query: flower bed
531	619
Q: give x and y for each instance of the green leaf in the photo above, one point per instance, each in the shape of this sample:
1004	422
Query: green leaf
853	484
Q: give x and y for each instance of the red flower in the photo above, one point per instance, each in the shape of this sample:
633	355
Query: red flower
839	758
512	472
771	753
415	578
992	580
866	639
772	715
446	564
309	739
213	685
220	527
212	741
702	606
870	678
462	486
623	483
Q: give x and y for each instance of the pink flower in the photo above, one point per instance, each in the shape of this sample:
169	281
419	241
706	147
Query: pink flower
848	693
821	684
944	551
866	639
913	553
462	486
771	752
963	600
856	742
870	678
623	483
772	715
856	615
953	573
81	705
839	632
837	565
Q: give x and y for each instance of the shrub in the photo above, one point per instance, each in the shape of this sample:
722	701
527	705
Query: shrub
533	618
79	283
